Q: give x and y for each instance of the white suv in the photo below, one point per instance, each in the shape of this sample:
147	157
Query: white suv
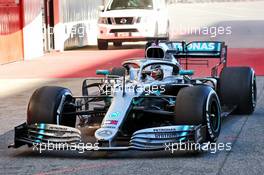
132	20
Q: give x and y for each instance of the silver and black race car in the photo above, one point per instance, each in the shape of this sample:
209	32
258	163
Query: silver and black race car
146	103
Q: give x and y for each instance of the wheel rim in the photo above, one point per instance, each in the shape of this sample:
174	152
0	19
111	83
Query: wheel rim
254	92
214	113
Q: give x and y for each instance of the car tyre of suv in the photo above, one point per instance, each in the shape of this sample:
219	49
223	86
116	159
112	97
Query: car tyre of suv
102	44
199	105
47	105
118	44
238	87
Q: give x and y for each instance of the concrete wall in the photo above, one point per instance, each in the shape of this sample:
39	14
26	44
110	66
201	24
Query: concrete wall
32	31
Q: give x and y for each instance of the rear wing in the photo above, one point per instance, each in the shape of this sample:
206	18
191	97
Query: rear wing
187	53
198	49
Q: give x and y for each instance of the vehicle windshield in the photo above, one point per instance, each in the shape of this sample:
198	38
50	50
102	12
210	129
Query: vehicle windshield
130	4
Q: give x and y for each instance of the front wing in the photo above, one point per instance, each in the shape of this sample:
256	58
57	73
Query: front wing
71	139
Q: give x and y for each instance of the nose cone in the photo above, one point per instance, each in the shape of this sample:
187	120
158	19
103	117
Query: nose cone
105	134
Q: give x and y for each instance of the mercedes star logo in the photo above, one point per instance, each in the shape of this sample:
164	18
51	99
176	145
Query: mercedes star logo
105	133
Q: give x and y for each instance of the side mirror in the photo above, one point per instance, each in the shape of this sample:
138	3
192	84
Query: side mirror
101	8
102	72
186	72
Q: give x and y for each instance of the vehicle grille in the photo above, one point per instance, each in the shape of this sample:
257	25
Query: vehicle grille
124	20
123	30
109	21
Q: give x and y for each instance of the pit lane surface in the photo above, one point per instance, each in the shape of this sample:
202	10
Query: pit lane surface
244	132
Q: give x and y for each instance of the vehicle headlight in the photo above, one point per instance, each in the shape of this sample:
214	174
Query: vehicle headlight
102	20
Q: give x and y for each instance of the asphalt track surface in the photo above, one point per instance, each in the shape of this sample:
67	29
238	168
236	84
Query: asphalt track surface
244	132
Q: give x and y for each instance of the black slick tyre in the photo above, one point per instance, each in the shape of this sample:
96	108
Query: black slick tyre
199	105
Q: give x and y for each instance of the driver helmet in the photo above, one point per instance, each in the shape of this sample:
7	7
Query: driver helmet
157	73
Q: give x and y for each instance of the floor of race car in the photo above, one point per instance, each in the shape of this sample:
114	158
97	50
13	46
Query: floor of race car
244	132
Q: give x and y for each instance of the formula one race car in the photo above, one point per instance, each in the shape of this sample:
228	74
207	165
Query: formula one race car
144	104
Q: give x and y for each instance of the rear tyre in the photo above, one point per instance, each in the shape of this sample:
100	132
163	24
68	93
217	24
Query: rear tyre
237	87
199	105
102	44
47	105
117	44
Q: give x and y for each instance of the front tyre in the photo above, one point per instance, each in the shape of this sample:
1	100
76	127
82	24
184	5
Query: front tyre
48	104
199	105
